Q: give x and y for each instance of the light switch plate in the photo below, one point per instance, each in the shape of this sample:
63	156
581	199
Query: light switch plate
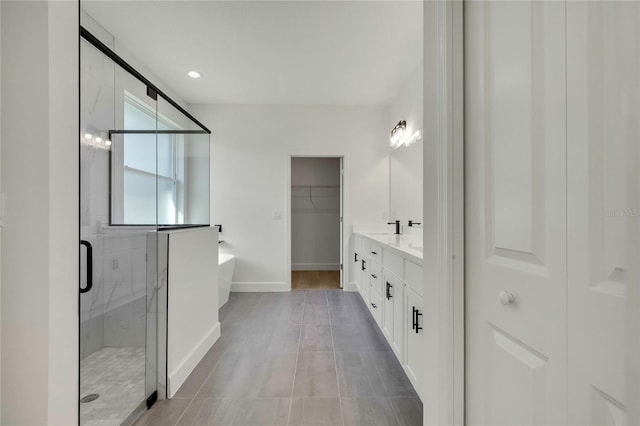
277	214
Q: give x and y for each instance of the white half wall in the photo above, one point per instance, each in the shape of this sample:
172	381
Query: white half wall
192	323
251	150
39	330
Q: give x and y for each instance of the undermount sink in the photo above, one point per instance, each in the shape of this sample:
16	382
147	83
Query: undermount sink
420	249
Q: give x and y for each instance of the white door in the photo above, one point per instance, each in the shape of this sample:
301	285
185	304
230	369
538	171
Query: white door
603	73
515	162
390	282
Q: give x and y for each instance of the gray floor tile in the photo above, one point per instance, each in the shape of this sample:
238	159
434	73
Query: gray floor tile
192	385
358	375
316	375
208	411
368	412
318	298
358	337
395	380
271	339
234	376
408	410
274	376
348	314
316	314
164	413
315	411
263	412
316	338
250	374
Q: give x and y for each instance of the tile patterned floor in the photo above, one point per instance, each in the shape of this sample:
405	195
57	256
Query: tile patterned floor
117	375
299	358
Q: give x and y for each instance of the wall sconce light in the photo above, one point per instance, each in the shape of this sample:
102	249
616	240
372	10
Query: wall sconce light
95	138
397	134
400	137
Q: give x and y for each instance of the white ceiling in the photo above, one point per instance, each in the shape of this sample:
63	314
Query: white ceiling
272	52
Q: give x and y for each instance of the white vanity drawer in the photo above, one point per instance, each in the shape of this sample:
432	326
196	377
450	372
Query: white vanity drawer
374	251
392	262
375	277
413	276
375	306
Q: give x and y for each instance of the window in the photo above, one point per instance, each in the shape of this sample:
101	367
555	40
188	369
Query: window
146	164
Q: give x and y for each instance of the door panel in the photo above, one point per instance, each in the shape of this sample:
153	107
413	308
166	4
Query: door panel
516	212
603	105
414	324
387	322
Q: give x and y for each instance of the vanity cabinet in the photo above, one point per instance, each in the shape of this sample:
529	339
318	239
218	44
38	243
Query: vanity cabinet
414	320
375	283
390	284
393	325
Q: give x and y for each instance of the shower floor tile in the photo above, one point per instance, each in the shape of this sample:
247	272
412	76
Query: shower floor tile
118	376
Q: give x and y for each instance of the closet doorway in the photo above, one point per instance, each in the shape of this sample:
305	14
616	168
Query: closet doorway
316	223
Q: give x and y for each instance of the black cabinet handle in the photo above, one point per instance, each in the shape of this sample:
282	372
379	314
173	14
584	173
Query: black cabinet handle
364	265
374	305
413	319
374	276
374	253
87	244
389	286
416	323
355	257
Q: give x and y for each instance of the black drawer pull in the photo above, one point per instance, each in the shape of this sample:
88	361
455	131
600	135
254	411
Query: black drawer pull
389	286
355	257
374	305
374	253
374	276
364	265
416	324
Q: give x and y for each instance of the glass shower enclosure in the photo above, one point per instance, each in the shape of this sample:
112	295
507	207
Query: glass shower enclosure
144	166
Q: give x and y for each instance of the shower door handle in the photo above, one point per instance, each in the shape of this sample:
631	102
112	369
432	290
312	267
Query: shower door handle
87	244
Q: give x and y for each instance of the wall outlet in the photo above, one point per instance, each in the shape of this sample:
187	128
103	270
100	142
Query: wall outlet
277	214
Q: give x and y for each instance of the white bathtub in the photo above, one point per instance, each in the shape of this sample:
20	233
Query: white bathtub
226	263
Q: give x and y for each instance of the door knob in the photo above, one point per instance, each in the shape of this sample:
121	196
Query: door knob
506	298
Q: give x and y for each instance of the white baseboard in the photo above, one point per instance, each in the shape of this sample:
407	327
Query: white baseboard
315	266
259	287
179	374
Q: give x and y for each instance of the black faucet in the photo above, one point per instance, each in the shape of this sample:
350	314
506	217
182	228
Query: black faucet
411	223
219	228
397	224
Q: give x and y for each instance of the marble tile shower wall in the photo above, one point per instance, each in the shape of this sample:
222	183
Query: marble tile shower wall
113	313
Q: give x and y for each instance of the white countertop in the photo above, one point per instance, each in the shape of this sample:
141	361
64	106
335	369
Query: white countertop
407	245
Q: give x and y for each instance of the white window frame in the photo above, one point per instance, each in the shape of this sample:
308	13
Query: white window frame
118	169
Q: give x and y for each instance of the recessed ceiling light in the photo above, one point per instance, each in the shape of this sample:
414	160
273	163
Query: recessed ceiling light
194	74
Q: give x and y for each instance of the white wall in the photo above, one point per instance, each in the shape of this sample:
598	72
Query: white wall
407	104
315	213
251	149
192	326
39	82
1	215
